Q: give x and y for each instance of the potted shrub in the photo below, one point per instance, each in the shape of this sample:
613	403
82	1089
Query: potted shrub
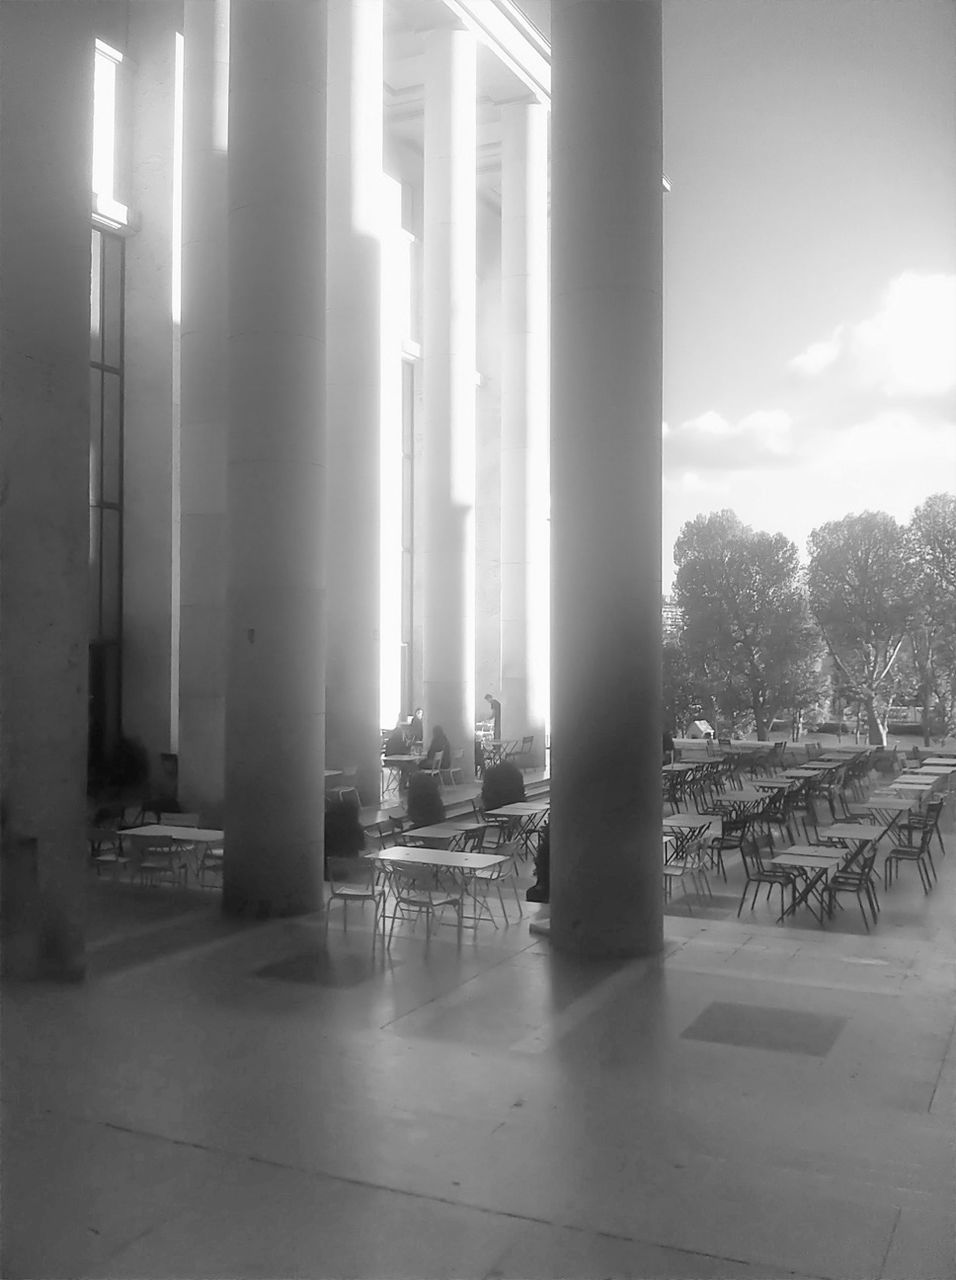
540	891
344	836
502	784
424	804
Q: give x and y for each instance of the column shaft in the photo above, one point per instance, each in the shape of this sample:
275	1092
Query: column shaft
353	379
46	83
150	394
449	388
275	721
605	477
524	422
204	417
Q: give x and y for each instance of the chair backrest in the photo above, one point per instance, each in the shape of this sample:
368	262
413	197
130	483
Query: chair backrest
149	846
752	851
511	851
99	836
409	878
179	819
472	841
929	823
733	830
383	833
527	745
351	871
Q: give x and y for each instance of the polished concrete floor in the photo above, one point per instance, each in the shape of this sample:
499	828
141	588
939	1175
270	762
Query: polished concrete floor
221	1100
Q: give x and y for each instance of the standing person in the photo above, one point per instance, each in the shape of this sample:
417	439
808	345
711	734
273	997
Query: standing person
495	715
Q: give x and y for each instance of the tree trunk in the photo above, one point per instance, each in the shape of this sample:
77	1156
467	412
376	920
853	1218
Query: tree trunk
926	712
763	729
877	731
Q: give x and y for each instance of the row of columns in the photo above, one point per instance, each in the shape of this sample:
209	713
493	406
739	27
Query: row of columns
274	427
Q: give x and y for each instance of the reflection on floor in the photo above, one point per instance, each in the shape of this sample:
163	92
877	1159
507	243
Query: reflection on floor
760	1101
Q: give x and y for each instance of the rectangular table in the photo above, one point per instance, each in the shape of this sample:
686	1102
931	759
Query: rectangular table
189	837
461	865
400	767
862	831
183	835
816	862
440	834
519	809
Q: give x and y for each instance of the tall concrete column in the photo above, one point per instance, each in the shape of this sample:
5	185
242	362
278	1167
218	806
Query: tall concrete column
150	394
275	706
353	381
45	176
524	422
203	410
606	172
448	352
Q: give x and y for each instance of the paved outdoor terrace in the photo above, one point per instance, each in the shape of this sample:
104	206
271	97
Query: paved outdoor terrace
231	1100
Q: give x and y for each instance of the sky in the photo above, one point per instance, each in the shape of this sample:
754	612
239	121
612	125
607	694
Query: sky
809	260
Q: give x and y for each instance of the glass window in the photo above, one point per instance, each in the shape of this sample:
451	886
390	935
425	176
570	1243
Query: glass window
96	434
110	615
94	592
112	308
96	325
112	438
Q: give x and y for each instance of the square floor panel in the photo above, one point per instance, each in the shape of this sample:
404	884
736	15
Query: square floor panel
749	1026
323	969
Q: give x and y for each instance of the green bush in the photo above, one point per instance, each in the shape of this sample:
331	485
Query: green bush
424	803
502	784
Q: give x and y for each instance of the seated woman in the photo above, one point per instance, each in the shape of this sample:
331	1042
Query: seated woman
439	746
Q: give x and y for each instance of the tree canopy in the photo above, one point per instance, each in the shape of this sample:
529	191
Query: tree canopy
747	627
931	561
862	593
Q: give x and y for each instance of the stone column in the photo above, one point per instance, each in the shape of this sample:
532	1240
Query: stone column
203	413
448	352
275	626
46	101
353	378
606	192
524	423
150	394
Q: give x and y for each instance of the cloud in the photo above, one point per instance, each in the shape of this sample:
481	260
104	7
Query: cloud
905	351
709	442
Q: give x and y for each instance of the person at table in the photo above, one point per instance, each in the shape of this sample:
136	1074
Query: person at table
416	730
397	742
439	746
495	706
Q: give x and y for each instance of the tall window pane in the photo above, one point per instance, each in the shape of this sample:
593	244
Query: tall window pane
112	438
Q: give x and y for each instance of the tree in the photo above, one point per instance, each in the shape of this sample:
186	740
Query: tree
747	625
860	595
931	555
681	698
